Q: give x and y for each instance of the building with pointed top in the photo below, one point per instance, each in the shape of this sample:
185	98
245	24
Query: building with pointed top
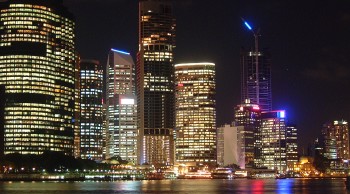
122	132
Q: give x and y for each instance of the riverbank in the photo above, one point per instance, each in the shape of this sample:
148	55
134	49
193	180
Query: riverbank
42	177
112	177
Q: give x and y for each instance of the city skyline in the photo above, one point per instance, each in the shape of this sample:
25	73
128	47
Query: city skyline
306	58
152	114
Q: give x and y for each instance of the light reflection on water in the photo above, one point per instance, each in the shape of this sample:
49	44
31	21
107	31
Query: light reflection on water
285	186
281	186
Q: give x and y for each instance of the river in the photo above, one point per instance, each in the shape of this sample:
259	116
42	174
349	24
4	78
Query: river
183	186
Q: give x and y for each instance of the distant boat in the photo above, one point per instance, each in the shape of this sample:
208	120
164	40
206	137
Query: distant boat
196	175
263	174
222	173
281	176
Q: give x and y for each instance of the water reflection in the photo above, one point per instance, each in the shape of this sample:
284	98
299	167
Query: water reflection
281	186
258	187
285	186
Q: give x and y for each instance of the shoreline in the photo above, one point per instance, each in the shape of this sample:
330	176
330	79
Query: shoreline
108	178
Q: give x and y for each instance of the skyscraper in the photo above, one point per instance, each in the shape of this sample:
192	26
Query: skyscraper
259	92
247	115
155	82
91	124
291	144
122	131
195	113
336	140
273	141
37	67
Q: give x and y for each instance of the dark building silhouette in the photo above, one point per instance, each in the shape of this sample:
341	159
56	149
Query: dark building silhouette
263	95
155	82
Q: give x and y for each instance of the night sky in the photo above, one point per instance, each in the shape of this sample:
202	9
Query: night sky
309	43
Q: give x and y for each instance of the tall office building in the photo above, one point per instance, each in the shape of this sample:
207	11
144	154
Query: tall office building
273	141
257	90
336	140
291	144
195	112
122	131
91	123
37	67
155	82
247	115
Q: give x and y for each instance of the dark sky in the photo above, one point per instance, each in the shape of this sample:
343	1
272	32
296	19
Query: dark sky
309	42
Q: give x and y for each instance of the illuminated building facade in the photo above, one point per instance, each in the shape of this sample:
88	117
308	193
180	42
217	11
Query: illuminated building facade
77	110
291	144
195	113
91	124
247	115
155	82
336	140
248	78
2	123
122	131
37	67
273	140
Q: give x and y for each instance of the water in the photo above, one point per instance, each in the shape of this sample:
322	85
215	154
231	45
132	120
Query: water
183	186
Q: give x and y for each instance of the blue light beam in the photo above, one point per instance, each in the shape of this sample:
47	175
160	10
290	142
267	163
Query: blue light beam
248	26
119	51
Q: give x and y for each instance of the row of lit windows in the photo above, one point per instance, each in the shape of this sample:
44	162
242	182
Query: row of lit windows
14	12
16	82
41	13
23	33
29	67
27	17
33	112
45	125
52	137
35	59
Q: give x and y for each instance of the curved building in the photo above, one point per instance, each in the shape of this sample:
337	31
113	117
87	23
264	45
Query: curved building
195	113
37	67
